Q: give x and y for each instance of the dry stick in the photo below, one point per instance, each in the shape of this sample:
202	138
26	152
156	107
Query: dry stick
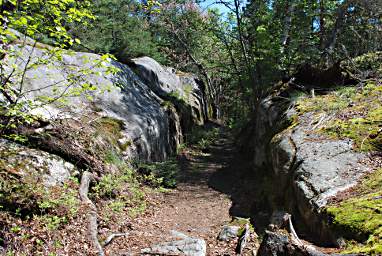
86	179
371	136
243	240
293	232
112	236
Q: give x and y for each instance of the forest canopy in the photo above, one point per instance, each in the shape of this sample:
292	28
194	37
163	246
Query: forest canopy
238	47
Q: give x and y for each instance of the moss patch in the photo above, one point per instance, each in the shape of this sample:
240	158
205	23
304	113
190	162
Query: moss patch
354	113
360	215
241	222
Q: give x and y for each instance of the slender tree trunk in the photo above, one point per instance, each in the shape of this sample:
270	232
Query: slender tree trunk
289	10
244	47
331	43
322	24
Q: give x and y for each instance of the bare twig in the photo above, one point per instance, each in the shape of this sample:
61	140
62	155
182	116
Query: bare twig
243	240
112	236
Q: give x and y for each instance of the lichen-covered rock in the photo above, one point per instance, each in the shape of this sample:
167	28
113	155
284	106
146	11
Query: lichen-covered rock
228	232
307	167
25	162
26	174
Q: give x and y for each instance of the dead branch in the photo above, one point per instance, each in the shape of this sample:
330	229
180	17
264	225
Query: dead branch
112	236
293	232
243	240
86	179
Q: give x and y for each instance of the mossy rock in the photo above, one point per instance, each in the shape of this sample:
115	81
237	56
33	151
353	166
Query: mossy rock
26	173
353	112
242	222
360	216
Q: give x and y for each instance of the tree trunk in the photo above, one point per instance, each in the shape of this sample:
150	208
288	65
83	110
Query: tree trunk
331	43
322	24
289	10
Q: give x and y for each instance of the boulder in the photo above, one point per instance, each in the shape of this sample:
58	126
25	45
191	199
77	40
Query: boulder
229	232
279	243
26	174
313	168
26	163
306	168
152	129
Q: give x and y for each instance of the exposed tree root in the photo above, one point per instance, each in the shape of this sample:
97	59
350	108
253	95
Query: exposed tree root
86	179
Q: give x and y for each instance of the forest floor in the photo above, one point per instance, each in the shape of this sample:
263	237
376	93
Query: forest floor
193	207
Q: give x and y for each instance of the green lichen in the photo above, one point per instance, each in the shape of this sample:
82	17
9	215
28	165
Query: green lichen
329	103
354	114
110	128
187	91
242	222
360	216
364	64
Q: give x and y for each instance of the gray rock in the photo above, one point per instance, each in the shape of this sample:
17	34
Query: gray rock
23	161
165	81
186	246
307	168
279	243
151	128
228	232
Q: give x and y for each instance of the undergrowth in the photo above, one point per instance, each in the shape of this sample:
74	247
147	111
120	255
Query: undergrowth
202	138
159	174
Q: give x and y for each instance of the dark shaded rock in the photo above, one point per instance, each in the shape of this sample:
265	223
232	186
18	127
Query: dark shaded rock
279	243
313	77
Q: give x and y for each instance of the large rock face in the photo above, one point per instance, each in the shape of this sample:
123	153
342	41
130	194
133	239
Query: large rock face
306	167
151	128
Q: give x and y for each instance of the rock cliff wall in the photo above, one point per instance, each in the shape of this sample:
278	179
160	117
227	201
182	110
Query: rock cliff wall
303	168
138	113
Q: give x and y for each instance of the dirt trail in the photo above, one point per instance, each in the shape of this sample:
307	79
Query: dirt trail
193	208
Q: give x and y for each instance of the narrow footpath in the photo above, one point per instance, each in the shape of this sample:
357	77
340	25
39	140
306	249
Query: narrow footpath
193	208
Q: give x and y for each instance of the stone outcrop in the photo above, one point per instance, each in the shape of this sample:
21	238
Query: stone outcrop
303	169
27	163
152	128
